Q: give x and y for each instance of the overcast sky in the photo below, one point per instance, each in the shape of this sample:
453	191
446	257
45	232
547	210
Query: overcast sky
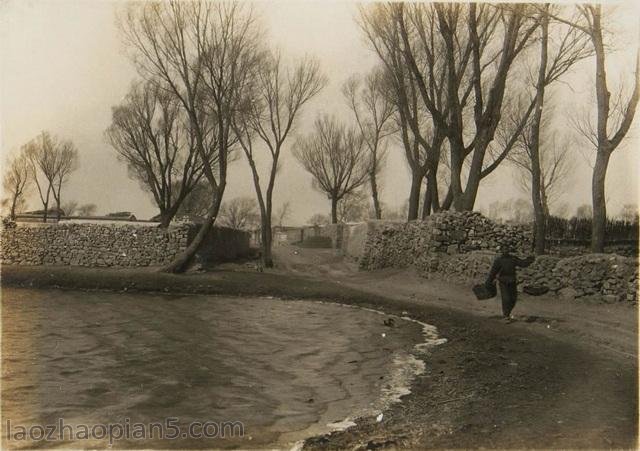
63	68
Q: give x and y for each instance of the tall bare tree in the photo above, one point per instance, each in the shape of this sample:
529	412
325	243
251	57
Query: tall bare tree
66	163
554	154
268	118
459	57
40	154
613	117
153	137
336	157
421	137
51	162
16	180
206	54
554	61
373	111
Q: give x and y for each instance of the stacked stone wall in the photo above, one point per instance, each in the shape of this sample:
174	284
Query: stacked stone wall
461	247
402	244
98	245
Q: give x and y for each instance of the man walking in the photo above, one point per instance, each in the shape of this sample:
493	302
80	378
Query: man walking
504	269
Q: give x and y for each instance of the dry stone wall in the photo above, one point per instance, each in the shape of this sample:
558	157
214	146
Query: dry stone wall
98	245
461	247
402	244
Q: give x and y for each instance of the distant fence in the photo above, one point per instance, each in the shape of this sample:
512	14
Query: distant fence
577	231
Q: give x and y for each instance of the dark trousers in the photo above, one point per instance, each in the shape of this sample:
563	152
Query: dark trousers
509	295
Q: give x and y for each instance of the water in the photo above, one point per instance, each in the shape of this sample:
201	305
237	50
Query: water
285	369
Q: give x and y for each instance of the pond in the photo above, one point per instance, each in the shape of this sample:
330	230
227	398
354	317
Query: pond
279	370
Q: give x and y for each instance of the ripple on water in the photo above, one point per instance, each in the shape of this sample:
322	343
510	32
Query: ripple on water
286	369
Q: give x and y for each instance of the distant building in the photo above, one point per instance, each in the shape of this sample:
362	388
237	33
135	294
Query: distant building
122	215
38	215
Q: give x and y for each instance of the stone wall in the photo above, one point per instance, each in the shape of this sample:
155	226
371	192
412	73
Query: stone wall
111	245
401	244
461	247
605	277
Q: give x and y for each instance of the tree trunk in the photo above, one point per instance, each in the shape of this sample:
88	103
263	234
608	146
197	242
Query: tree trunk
545	201
539	232
14	202
448	201
455	188
166	216
182	261
432	197
374	194
267	241
540	220
334	210
165	219
428	197
599	202
414	196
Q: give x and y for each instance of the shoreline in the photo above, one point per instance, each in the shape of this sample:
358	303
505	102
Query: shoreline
492	384
302	365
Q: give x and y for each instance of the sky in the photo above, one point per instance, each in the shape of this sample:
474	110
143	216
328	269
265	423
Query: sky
63	67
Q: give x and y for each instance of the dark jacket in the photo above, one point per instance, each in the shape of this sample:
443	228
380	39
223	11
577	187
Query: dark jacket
504	268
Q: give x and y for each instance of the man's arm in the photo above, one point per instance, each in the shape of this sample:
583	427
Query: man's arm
493	273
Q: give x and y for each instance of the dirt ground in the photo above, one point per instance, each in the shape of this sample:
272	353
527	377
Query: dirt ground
605	327
563	376
600	371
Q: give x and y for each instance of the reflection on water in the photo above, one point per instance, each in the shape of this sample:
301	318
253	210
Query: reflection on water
277	366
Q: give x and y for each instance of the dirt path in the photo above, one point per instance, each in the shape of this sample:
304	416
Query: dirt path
609	327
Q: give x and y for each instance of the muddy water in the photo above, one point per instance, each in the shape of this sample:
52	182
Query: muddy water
285	369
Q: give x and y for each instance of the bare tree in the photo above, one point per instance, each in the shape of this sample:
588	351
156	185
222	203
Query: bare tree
373	111
51	162
70	207
206	54
556	166
239	213
554	61
153	137
613	120
337	159
420	136
459	57
87	210
40	154
270	114
16	180
283	212
66	163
